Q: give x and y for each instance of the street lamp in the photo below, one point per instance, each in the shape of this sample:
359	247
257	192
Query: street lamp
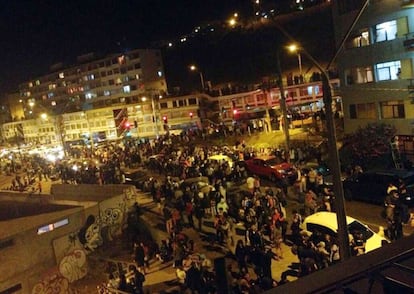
194	68
333	156
233	20
295	49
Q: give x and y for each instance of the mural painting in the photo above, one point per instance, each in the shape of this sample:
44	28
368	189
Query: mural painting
73	266
53	282
103	227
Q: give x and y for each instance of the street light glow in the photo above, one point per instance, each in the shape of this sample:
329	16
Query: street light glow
293	48
193	67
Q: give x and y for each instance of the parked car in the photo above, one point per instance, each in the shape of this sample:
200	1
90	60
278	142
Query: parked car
326	223
272	167
371	186
136	178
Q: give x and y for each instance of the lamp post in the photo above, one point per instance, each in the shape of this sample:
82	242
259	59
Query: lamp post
194	68
295	49
334	160
283	106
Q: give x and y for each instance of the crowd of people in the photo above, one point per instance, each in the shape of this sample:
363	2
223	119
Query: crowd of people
260	212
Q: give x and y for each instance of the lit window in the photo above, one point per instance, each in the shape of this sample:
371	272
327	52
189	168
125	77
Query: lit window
127	89
53	103
392	109
159	73
61	75
50	95
91	77
51	227
52	86
121	59
107	93
386	31
88	96
137	76
37	82
388	70
30	84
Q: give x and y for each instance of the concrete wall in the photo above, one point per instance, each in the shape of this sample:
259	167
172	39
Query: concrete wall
31	254
40	263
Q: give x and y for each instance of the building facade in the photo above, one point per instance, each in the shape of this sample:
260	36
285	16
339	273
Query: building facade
376	64
154	115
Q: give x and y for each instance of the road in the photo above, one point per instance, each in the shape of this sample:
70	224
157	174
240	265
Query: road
367	213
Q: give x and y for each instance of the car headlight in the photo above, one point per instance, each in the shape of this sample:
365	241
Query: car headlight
408	198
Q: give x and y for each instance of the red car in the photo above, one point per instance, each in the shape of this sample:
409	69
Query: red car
272	167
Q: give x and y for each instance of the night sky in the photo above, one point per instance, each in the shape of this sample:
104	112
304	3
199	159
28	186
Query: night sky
36	34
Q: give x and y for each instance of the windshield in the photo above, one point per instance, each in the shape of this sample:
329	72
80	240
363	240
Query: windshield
356	226
274	161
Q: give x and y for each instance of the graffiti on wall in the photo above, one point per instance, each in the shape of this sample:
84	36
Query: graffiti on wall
103	227
53	282
73	265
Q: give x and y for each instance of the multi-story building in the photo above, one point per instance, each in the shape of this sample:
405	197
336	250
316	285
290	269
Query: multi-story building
109	83
126	95
152	115
93	82
376	64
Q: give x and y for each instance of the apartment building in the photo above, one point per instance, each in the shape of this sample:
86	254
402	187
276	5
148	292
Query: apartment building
153	115
105	85
376	64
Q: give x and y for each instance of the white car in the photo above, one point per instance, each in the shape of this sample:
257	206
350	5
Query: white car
220	159
326	223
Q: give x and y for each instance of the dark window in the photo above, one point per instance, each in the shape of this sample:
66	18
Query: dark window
137	65
163	105
134	56
352	111
192	101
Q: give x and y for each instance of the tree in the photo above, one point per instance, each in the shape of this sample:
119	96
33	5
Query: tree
369	146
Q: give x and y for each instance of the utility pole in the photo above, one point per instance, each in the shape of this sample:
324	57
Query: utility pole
283	106
343	238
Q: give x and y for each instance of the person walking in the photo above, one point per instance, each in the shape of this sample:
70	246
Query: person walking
139	256
241	256
137	281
